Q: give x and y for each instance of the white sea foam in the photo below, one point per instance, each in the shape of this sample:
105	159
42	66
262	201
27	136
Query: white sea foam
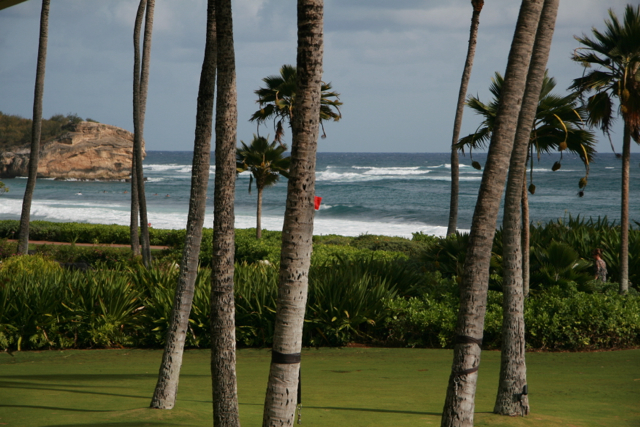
94	214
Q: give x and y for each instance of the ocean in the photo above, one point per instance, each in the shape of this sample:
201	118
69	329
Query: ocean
393	194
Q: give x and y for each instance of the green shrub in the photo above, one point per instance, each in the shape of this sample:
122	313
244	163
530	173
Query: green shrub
29	264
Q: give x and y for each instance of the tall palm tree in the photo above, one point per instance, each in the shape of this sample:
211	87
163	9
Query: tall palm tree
134	224
277	100
223	329
266	163
140	86
457	124
513	372
166	390
460	398
297	230
34	155
612	72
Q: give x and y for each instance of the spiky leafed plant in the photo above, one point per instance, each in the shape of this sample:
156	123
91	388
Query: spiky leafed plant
276	101
612	72
266	162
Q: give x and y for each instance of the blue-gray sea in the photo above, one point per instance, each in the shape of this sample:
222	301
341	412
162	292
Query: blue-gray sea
393	194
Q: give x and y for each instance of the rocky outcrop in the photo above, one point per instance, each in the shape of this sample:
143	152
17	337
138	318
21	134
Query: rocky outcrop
87	151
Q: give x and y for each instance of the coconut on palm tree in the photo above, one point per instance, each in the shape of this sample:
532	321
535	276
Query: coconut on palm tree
265	162
612	74
276	101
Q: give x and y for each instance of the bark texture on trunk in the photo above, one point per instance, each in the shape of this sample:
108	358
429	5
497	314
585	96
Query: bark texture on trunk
223	332
526	233
166	390
459	404
134	220
297	231
139	132
36	128
134	224
624	212
511	398
259	214
457	124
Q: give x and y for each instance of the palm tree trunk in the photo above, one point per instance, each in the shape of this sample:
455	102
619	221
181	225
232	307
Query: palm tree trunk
259	214
526	233
223	332
135	201
512	398
624	213
34	155
464	84
139	113
164	396
297	231
460	399
135	218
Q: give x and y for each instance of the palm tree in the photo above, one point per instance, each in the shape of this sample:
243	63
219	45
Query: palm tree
135	202
223	329
166	390
297	230
457	124
277	100
612	71
460	398
140	86
25	216
513	372
266	163
556	127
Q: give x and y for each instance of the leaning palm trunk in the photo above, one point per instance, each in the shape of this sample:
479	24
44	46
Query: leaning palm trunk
259	214
460	399
297	231
223	332
134	227
34	155
624	212
166	390
135	218
464	84
140	85
512	397
526	233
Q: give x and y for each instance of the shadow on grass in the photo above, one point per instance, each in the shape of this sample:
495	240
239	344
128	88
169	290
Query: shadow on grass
61	388
336	408
55	408
122	424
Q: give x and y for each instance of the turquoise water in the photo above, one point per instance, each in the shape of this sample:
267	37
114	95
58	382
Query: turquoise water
375	193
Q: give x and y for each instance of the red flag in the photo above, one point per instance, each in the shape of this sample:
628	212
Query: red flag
317	201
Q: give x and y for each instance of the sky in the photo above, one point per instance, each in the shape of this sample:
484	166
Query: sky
396	64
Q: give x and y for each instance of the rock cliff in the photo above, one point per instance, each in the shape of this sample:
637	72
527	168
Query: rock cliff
87	151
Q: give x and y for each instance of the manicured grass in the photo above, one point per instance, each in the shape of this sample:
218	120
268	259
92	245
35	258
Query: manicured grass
341	387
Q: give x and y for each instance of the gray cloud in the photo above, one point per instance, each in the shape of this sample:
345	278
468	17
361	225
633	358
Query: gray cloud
397	65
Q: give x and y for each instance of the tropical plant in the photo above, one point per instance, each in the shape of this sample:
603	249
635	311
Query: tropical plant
460	397
297	230
140	86
457	124
513	372
277	100
265	162
176	334
557	125
558	265
612	72
222	313
34	154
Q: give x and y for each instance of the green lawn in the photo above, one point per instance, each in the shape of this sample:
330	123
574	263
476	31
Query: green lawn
341	387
